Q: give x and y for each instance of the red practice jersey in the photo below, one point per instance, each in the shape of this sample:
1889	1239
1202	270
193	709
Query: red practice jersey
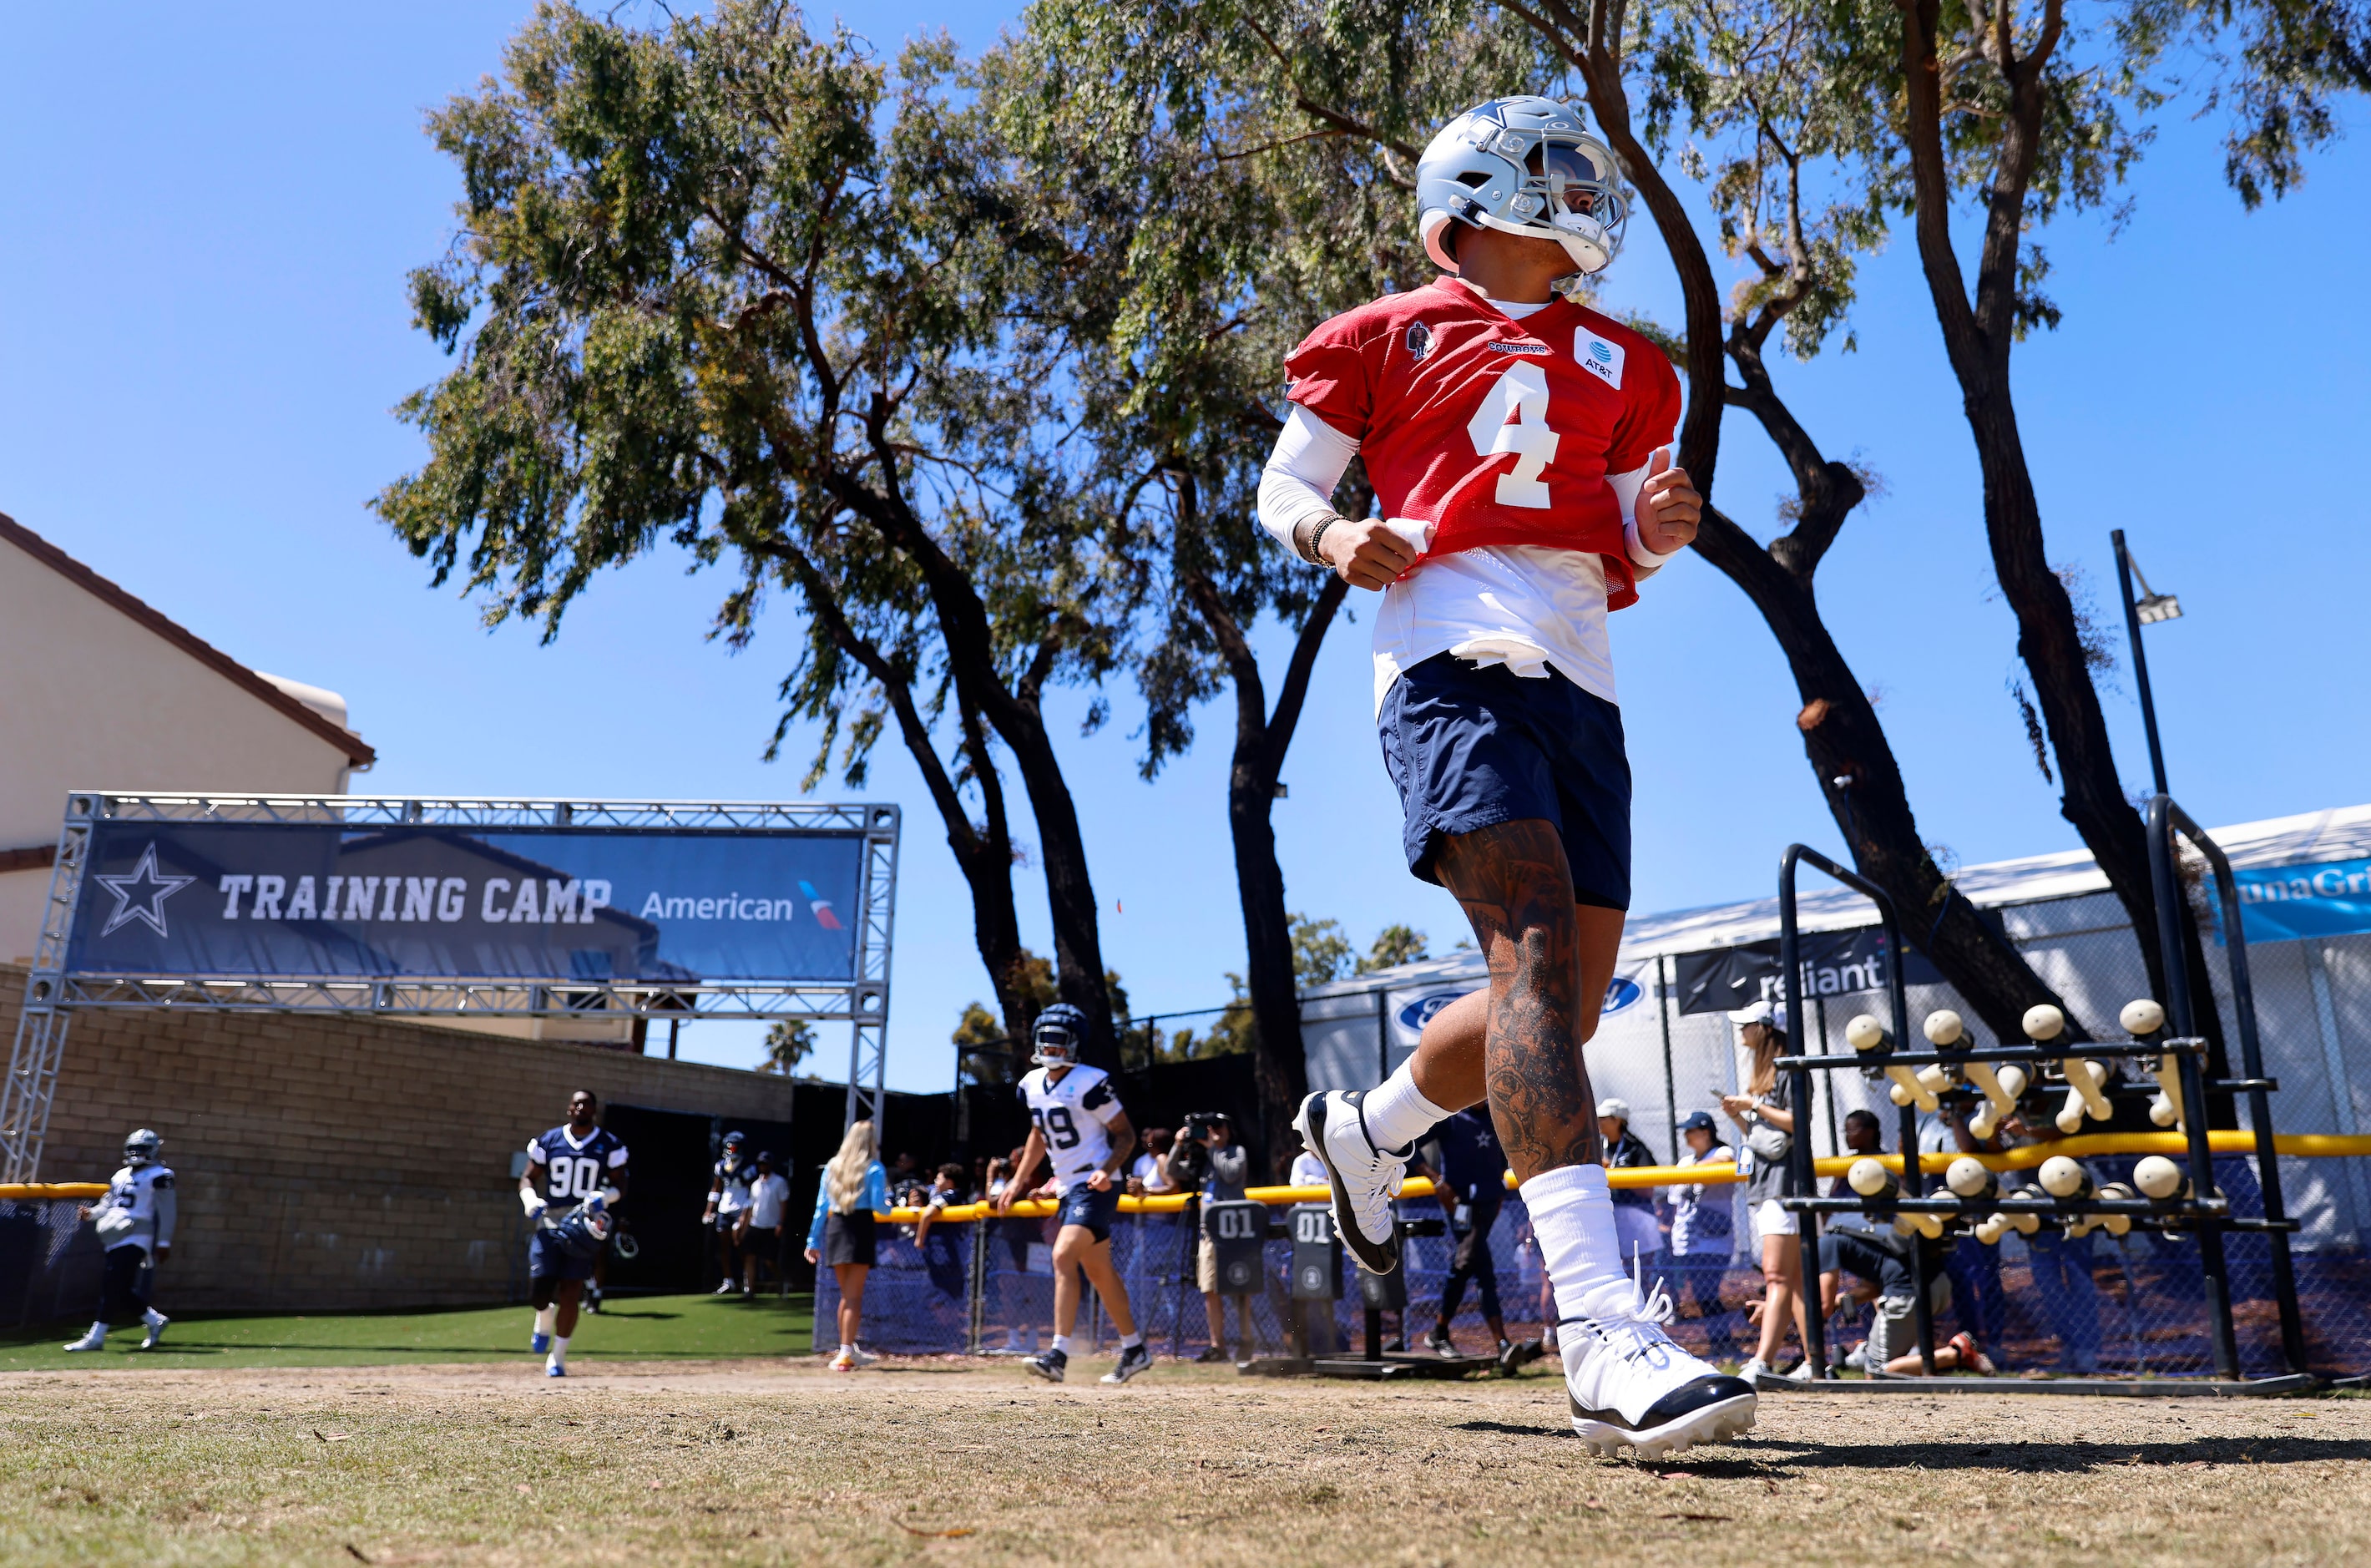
1493	430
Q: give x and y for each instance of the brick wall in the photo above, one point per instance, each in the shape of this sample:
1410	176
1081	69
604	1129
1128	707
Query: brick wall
341	1163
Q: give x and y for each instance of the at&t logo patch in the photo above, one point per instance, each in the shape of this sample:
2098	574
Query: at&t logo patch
1599	357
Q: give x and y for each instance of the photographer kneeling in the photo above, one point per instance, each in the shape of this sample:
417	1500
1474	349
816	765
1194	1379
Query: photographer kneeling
1206	1155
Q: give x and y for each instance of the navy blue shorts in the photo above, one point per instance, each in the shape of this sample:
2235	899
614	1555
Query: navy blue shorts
547	1260
1473	747
1083	1205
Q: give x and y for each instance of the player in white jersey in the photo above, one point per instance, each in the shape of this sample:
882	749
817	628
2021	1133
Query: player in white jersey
136	1224
1078	1127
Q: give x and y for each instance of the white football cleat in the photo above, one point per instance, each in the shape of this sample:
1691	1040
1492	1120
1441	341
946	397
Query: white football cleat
95	1340
1630	1387
155	1331
1365	1178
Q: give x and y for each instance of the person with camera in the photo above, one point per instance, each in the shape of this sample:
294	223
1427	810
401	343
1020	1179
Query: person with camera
1206	1156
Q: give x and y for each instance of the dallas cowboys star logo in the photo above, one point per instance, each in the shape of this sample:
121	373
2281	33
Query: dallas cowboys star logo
131	902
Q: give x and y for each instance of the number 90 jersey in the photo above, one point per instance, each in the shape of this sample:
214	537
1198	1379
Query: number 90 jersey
1075	1115
1497	431
573	1171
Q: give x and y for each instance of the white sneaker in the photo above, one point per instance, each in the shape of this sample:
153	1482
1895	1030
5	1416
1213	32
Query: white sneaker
1754	1367
1630	1387
1365	1178
155	1331
92	1340
864	1357
845	1361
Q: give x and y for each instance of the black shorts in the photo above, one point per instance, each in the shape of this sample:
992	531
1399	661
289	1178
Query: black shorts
848	1238
1081	1204
1471	746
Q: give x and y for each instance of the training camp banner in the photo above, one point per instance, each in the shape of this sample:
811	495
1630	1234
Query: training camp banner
1834	963
2278	903
304	901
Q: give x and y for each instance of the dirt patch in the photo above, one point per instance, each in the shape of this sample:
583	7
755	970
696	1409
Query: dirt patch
770	1462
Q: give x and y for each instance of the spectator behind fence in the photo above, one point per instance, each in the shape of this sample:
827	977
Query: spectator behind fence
939	1257
760	1233
1208	1148
1634	1207
1769	1126
1864	1134
1704	1235
2062	1269
1148	1177
1016	1235
906	1177
1472	1187
853	1197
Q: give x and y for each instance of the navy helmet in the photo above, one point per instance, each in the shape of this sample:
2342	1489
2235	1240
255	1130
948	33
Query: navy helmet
1055	1037
583	1231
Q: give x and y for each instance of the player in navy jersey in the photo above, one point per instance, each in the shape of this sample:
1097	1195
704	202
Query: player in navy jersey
1078	1127
575	1173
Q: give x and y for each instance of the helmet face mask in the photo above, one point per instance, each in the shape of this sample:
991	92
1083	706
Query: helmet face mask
1055	1038
1522	165
142	1148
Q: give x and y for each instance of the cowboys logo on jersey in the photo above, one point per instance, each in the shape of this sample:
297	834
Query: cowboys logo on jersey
1075	1115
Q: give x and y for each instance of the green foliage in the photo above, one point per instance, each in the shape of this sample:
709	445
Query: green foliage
789	1041
1394	944
1320	951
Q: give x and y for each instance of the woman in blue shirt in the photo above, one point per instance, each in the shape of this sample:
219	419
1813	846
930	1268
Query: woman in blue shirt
852	1195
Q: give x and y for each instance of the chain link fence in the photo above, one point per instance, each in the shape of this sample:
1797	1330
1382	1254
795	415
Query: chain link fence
49	1260
2127	1305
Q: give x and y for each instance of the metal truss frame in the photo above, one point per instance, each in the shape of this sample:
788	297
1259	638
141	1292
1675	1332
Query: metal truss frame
52	993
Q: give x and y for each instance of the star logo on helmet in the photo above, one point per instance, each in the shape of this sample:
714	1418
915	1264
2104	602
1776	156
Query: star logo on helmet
140	894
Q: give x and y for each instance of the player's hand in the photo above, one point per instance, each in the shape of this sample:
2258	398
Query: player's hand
1669	507
164	1250
1366	553
82	1212
1099	1180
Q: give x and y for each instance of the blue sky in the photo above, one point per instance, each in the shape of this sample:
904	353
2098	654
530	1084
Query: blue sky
203	242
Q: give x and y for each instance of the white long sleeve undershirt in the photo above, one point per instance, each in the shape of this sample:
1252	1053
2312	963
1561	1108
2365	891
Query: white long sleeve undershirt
1529	607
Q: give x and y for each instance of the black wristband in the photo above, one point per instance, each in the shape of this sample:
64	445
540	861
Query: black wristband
1316	535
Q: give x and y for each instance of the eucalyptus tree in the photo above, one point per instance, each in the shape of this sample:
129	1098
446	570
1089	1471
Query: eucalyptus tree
1344	93
735	286
2009	116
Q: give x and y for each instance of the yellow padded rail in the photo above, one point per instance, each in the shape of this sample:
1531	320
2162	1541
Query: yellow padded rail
32	1189
2222	1141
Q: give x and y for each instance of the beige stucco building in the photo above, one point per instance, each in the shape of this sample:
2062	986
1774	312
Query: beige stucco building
99	691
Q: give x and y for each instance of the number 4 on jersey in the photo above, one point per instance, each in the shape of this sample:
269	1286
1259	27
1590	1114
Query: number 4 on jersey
1514	418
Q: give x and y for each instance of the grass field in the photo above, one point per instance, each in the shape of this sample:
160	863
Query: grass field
779	1461
660	1328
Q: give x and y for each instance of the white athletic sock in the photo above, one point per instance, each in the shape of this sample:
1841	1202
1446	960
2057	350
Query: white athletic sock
1062	1343
543	1320
1129	1342
1397	1113
559	1350
153	1317
1572	1214
99	1330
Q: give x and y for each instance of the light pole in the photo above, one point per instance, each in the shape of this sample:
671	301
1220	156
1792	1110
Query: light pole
2150	607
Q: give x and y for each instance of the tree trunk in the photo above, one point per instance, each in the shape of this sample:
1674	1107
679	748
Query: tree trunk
1977	338
1861	780
983	852
1279	1067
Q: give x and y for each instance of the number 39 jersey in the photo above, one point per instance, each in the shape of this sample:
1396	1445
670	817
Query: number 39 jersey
1075	1115
573	1171
1497	431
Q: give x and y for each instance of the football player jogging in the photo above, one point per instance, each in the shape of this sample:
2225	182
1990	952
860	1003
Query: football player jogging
1518	443
575	1174
1077	1125
136	1224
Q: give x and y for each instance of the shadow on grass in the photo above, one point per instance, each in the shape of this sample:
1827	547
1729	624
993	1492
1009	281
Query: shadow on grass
1780	1456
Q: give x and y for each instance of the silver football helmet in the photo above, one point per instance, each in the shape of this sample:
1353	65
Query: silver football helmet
142	1148
1522	165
